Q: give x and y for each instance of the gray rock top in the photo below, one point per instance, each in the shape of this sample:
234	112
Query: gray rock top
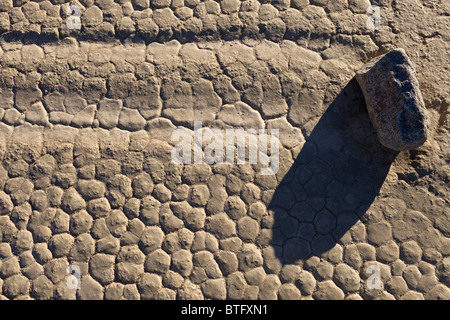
394	101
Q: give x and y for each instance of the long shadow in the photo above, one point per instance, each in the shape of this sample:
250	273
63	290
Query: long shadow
333	181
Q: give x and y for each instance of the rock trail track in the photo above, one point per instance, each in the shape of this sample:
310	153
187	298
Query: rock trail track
86	177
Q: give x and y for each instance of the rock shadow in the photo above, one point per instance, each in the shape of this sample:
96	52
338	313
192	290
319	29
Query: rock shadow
332	183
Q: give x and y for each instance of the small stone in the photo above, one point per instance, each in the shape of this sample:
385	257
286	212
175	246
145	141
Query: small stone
147	28
172	280
394	101
128	272
41	253
247	229
6	5
236	285
162	193
108	113
443	270
289	291
290	273
141	4
10	267
100	229
195	219
23	241
169	222
269	287
56	269
439	292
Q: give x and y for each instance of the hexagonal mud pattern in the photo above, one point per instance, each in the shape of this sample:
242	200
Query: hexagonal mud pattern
89	189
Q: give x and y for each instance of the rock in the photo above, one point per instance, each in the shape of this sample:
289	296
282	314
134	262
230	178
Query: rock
394	101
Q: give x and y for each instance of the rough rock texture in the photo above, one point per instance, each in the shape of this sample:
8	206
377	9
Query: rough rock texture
394	101
87	181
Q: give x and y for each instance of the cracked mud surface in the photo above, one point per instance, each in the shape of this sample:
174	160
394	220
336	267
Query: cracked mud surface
86	177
